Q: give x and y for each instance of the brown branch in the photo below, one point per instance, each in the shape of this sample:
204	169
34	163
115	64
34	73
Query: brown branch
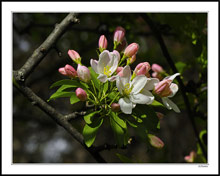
174	69
20	76
45	47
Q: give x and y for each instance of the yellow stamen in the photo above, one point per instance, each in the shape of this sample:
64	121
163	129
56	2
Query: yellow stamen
127	89
107	72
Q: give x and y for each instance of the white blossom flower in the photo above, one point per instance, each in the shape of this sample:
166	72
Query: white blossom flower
132	91
166	89
106	66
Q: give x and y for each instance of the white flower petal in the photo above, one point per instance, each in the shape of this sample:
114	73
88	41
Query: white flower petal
125	105
94	64
103	78
126	75
138	83
170	104
172	77
151	82
149	95
139	98
174	88
119	84
113	64
104	59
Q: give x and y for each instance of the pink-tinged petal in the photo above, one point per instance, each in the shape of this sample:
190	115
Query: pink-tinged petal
103	78
62	71
104	59
103	42
157	68
119	69
83	73
125	105
126	75
131	50
94	65
119	34
138	83
119	84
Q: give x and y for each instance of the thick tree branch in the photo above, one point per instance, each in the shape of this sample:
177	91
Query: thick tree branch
60	119
20	76
174	69
45	47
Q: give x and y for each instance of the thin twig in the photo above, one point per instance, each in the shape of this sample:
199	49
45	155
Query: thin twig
174	69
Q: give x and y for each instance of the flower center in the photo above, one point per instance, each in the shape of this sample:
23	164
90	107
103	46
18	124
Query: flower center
127	89
107	71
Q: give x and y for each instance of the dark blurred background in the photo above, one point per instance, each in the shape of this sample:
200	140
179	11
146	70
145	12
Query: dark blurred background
38	139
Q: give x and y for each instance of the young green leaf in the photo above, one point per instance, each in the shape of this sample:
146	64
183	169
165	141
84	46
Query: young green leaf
75	83
157	103
123	158
63	87
60	94
94	76
74	99
88	117
119	128
90	131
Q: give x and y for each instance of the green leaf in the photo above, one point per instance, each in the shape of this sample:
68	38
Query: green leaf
75	83
88	117
90	131
63	87
74	98
131	124
123	158
60	94
156	103
105	87
119	128
94	76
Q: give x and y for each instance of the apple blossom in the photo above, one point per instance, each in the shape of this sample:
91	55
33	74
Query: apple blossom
132	91
83	73
155	141
106	66
166	89
119	34
68	70
131	50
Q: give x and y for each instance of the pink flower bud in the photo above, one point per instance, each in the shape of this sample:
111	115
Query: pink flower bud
103	42
81	94
155	141
157	68
62	71
160	115
70	71
157	75
142	68
131	50
119	69
119	34
74	56
83	73
191	157
115	107
163	88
